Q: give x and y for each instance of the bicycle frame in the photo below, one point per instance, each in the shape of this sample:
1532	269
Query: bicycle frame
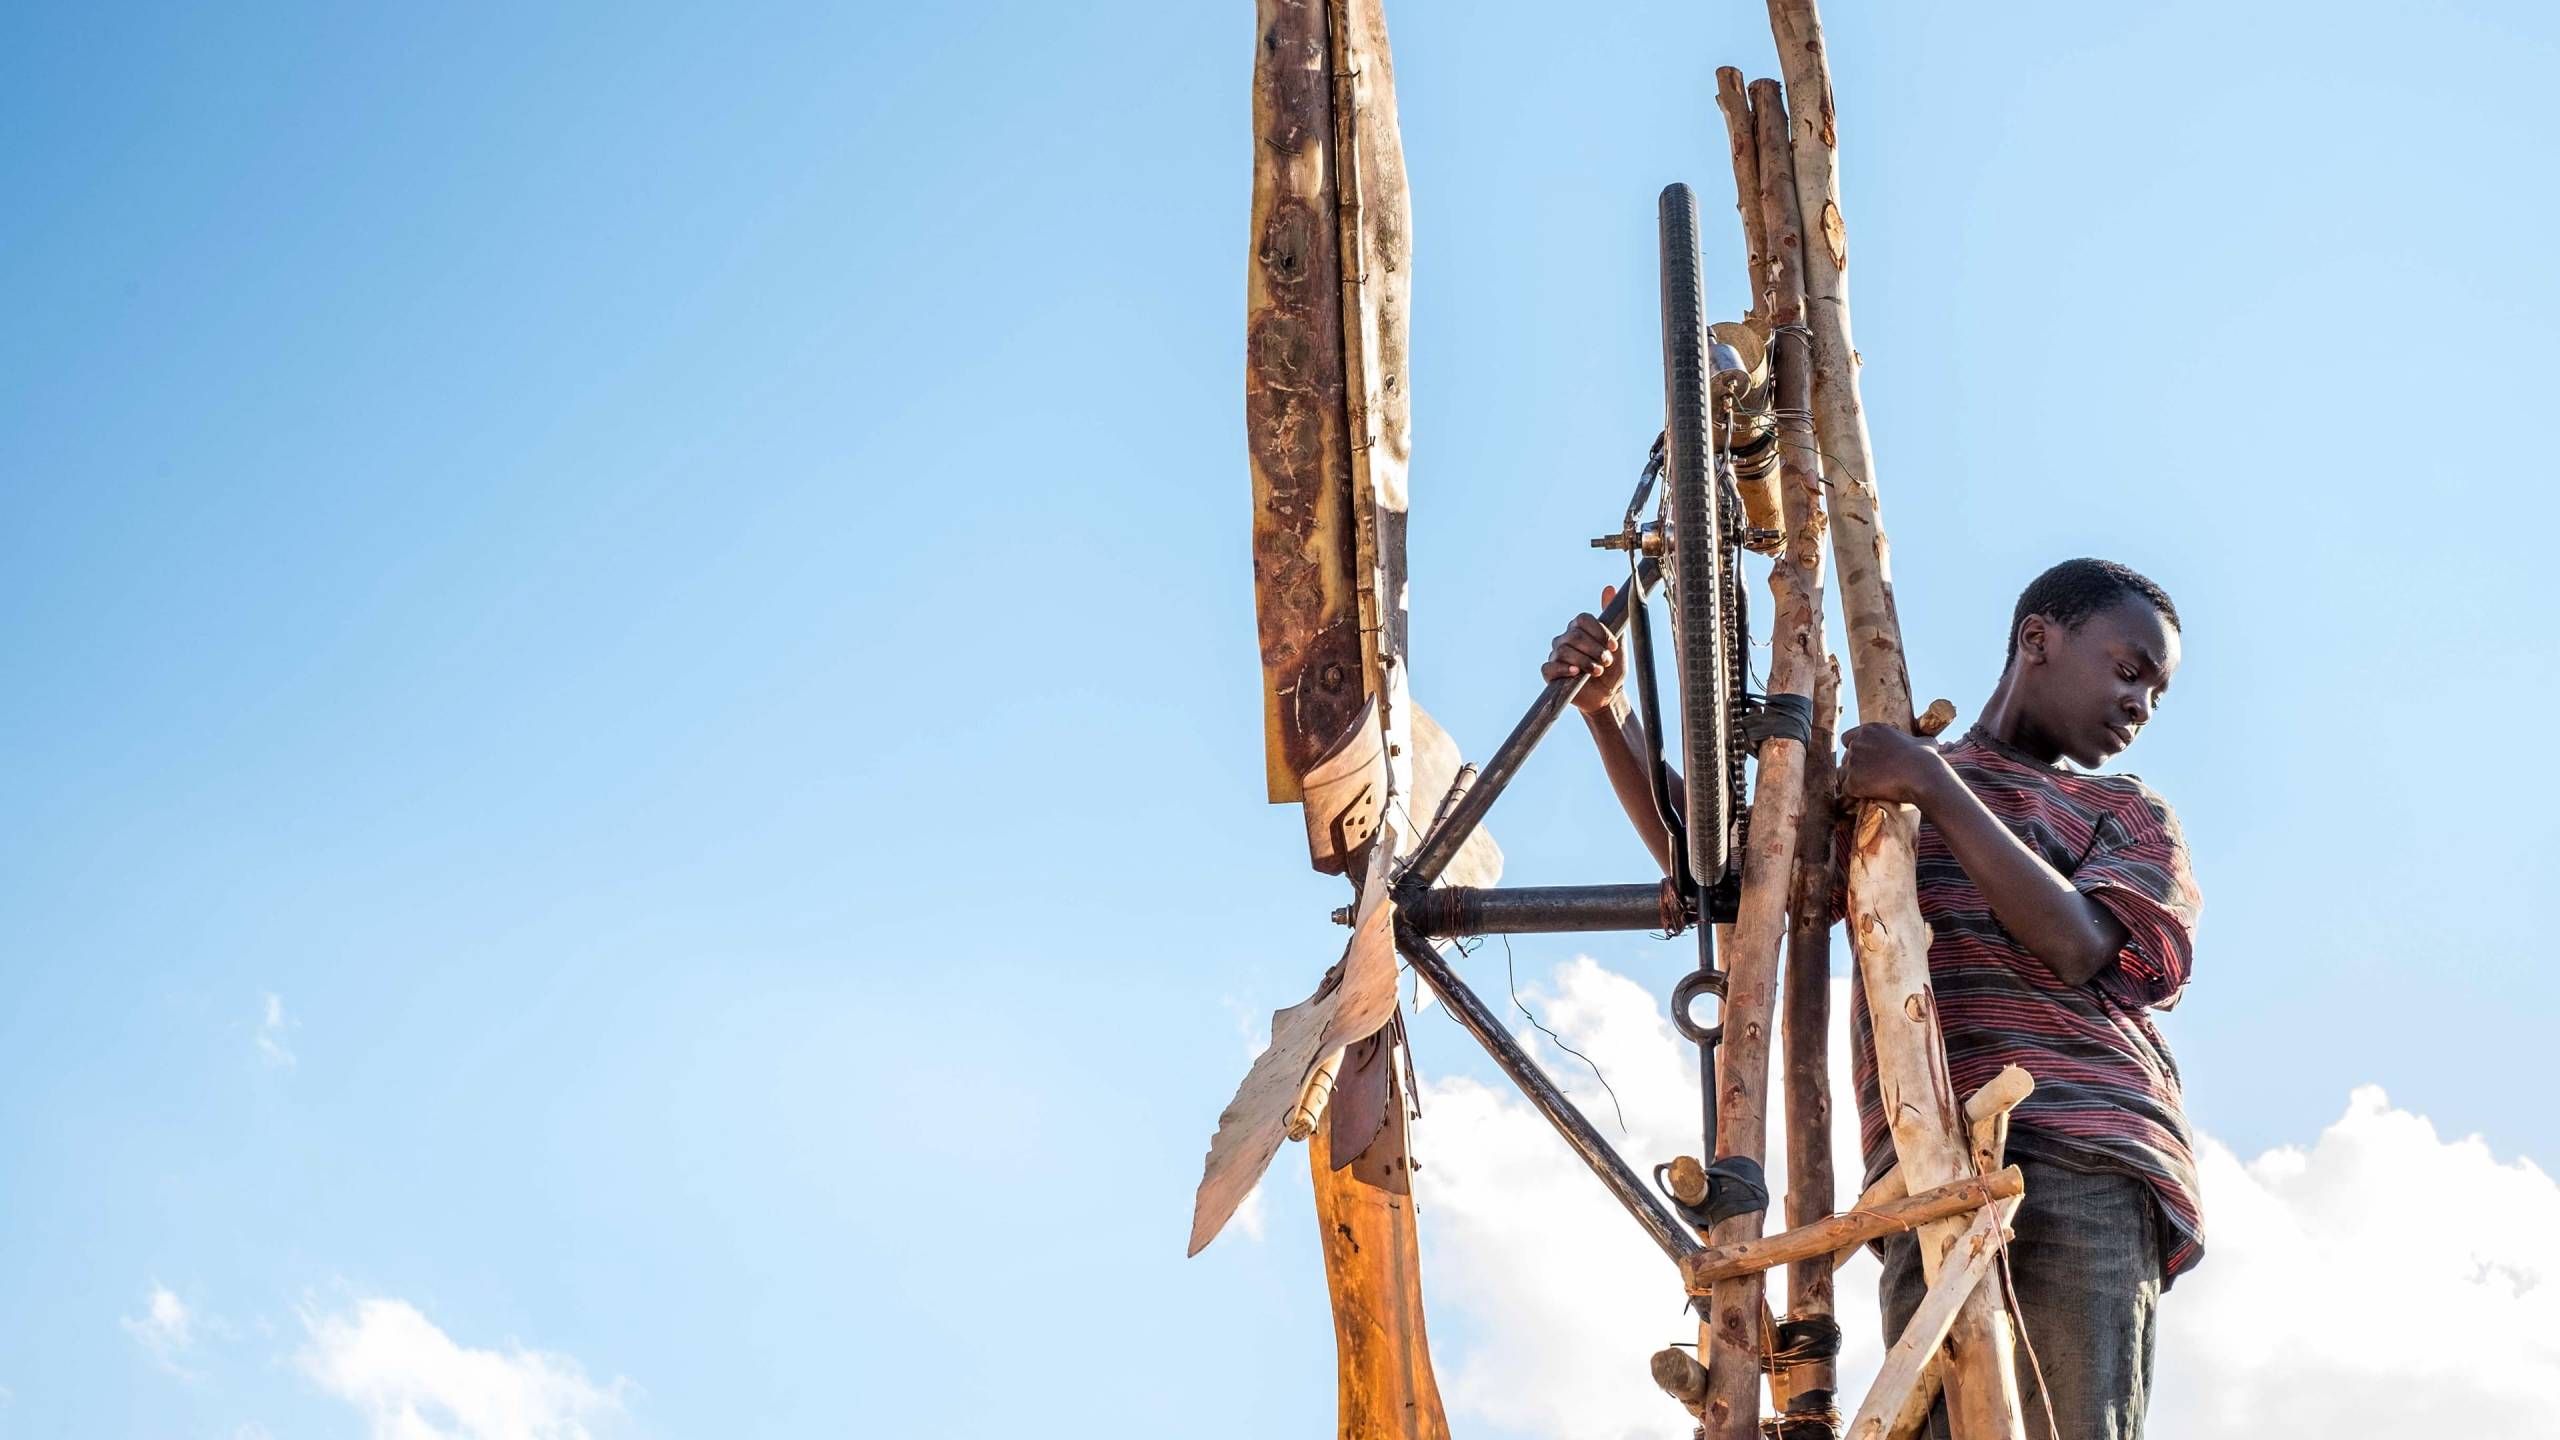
1425	912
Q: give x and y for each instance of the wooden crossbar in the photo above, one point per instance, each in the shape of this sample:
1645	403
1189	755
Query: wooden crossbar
1849	1229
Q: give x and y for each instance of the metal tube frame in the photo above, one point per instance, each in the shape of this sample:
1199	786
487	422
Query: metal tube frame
1424	911
1452	910
1676	1239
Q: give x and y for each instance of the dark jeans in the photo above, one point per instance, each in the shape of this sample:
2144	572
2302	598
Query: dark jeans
2086	1262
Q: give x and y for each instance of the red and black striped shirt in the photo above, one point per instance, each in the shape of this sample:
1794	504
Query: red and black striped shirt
2106	1095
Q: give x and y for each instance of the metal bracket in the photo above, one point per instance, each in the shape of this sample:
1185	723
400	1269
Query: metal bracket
1736	1185
1691	986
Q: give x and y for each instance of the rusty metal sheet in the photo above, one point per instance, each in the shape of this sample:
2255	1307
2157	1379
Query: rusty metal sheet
1327	413
1306	605
1361	1092
1347	790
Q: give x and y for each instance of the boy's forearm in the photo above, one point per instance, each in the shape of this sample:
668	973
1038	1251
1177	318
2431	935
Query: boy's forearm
2075	936
1623	755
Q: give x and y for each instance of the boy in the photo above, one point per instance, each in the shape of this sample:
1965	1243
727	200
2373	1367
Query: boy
2060	908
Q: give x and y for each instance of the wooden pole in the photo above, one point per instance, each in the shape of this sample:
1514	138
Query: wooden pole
1743	146
1986	1117
1885	928
1850	1229
1805	1024
1806	1018
1959	1277
1768	874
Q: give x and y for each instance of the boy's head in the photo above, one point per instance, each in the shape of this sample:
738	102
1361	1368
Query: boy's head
2091	650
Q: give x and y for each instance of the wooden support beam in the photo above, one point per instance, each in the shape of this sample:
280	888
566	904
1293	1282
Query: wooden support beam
1742	143
1804	1026
1885	927
1751	956
1849	1229
1959	1278
1986	1116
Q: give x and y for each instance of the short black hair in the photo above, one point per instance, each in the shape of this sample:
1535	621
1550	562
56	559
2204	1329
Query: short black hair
2074	590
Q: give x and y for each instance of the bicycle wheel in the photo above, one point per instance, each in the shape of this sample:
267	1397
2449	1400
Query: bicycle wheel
1695	512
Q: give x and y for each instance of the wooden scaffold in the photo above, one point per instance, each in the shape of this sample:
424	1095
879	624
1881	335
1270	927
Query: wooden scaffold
1388	802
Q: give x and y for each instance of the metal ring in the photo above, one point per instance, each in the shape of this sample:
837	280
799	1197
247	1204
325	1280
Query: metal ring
1691	986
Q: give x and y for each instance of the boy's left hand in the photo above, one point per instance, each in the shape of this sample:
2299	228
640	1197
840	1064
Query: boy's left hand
1879	762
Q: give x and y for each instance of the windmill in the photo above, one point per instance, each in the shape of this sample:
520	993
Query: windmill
1389	803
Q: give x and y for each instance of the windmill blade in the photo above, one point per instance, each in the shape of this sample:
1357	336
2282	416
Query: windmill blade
1437	765
1352	807
1351	787
1356	997
1328	426
1363	1099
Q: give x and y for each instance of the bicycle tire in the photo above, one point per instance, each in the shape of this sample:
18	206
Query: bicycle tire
1696	582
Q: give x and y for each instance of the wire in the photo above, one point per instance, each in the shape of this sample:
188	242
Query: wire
2018	1317
1516	1004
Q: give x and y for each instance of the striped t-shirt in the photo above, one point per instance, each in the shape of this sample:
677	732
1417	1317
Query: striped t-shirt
2106	1095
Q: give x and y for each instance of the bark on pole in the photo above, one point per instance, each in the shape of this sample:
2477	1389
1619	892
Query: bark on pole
1891	942
1769	858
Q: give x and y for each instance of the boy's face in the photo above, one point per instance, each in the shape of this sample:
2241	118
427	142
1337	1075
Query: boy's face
2091	690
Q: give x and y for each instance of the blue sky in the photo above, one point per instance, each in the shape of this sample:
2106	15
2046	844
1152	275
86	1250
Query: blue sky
673	585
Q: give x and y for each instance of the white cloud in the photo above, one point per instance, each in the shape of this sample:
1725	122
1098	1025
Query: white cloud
411	1381
166	1330
273	1024
2376	1284
2366	1287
